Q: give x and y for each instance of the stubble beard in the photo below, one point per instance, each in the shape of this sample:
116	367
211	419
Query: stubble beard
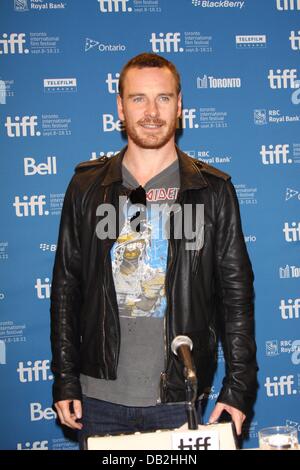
151	141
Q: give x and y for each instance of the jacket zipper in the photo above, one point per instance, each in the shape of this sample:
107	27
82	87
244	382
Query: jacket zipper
163	376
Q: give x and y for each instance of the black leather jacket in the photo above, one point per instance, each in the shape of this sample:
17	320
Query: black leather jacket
208	290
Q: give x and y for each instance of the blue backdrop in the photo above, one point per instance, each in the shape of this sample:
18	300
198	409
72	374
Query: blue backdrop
239	62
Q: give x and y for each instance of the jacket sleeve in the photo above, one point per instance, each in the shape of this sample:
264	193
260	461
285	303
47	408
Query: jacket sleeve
235	294
66	301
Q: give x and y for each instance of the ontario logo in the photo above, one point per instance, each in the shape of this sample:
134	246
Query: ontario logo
101	47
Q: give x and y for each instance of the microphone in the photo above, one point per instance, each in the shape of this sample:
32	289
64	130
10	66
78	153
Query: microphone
182	346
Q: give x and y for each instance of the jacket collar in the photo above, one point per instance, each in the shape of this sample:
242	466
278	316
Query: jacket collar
191	176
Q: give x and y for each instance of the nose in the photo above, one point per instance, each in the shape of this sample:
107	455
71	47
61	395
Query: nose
152	108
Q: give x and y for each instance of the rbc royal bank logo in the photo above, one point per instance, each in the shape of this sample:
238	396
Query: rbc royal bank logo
13	44
21	5
114	6
166	42
25	126
285	5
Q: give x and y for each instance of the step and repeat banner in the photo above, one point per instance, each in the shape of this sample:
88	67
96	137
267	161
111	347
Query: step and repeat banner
59	70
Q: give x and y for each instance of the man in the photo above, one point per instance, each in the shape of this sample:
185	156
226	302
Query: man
118	301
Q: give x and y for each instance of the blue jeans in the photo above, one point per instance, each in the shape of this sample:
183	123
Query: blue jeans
101	417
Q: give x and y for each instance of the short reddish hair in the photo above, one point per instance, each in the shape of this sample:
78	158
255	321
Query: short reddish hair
145	60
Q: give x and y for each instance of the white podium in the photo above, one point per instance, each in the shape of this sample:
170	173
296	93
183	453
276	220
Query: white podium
220	436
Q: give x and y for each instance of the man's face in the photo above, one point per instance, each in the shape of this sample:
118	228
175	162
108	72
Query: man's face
150	106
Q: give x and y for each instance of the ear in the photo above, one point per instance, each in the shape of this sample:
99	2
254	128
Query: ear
179	105
120	108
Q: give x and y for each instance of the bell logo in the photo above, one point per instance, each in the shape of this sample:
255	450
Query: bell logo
22	127
36	445
37	413
284	5
280	386
286	78
275	156
114	6
13	44
109	125
34	372
27	207
31	168
167	42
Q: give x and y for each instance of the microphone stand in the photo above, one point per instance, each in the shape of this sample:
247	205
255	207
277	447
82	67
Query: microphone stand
190	397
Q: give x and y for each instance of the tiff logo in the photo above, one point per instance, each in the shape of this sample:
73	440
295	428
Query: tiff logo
290	310
110	6
2	352
200	443
112	83
43	289
187	119
283	5
280	386
291	234
167	42
13	45
34	372
28	206
277	155
36	445
21	126
31	168
295	40
108	154
286	78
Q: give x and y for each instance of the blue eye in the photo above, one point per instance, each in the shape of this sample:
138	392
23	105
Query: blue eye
165	98
137	99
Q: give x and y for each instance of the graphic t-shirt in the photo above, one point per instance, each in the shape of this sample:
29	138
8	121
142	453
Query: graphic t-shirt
139	266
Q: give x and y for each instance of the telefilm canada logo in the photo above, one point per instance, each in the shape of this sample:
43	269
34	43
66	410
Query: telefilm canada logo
55	85
257	41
